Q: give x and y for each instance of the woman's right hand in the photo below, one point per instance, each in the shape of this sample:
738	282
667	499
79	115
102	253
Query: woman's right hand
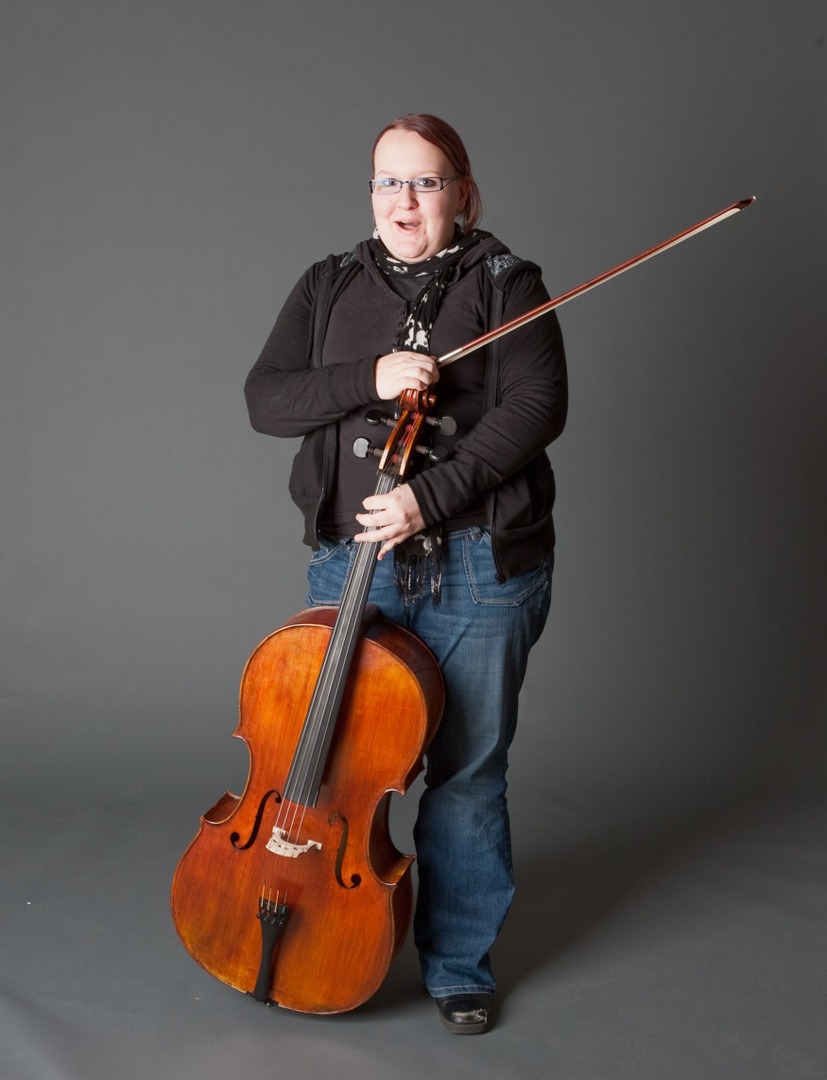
400	371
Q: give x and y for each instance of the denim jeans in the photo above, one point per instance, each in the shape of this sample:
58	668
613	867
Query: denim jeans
481	633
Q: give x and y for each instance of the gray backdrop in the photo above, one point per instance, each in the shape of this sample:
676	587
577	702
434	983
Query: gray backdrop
170	167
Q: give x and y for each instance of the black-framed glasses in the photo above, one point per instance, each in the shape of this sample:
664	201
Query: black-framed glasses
420	185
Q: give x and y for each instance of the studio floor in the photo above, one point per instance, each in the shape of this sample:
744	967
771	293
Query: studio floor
695	951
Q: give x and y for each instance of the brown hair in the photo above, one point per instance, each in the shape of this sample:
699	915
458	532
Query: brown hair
446	139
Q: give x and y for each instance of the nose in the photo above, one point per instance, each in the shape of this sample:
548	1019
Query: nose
407	196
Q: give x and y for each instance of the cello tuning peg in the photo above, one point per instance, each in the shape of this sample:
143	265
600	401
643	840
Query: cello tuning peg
433	453
376	417
446	424
362	448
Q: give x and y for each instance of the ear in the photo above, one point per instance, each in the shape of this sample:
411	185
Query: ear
463	195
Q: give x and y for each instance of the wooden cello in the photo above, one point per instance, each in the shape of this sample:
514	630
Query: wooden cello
294	892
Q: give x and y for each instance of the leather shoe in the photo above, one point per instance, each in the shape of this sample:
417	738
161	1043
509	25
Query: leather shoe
464	1014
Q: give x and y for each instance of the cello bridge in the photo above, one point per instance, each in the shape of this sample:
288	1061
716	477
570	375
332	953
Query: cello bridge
280	845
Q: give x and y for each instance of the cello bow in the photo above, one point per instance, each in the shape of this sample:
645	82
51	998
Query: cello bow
558	301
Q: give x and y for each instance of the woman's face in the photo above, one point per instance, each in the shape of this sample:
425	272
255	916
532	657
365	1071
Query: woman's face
412	226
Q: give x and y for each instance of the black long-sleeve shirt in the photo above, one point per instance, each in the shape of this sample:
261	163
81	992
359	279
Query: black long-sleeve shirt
496	464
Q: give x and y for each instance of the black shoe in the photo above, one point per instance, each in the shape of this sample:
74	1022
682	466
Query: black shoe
465	1014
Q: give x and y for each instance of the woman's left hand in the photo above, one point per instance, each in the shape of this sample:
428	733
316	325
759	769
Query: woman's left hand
393	518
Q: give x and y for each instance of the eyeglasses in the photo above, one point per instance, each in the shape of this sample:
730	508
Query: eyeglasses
420	185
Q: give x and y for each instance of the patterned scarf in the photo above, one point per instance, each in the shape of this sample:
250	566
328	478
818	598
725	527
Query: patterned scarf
436	272
418	560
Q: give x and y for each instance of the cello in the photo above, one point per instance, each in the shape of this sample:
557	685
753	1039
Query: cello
294	892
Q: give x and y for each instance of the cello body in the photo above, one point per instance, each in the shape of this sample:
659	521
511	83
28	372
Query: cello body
304	903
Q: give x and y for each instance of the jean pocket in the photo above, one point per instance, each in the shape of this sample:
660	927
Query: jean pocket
482	576
327	572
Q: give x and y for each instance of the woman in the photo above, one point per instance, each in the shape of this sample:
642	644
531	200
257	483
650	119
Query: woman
470	538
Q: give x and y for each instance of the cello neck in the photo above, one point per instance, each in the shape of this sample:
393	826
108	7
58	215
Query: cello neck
305	776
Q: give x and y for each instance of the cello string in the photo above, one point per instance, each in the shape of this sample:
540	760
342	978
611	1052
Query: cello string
323	711
354	601
304	776
336	669
298	780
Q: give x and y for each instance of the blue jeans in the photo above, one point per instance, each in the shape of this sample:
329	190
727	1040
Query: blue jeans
481	634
